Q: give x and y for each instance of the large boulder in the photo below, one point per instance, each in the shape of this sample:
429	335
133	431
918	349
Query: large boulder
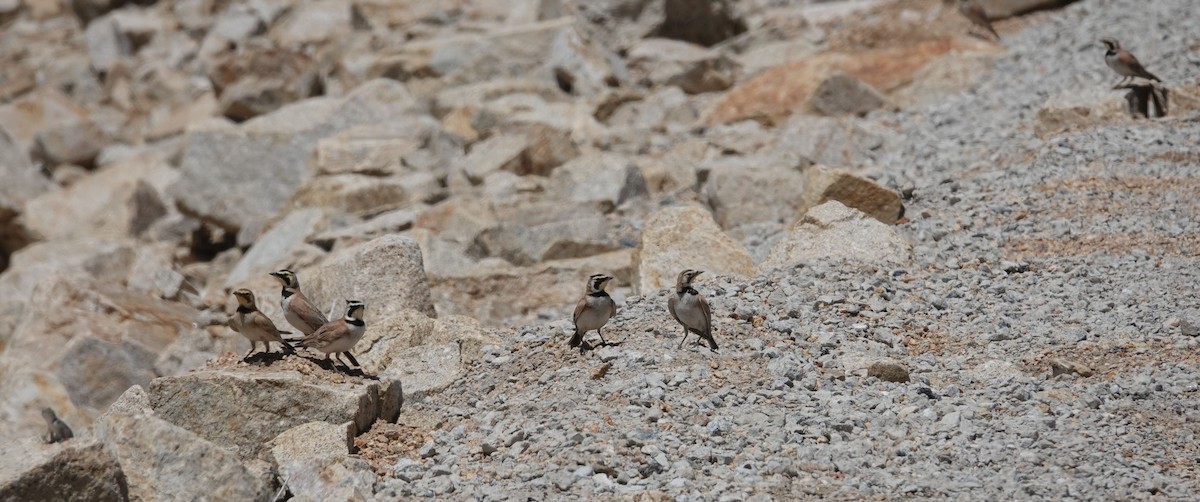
22	181
244	410
824	184
553	51
691	67
525	245
314	459
608	180
102	205
741	194
271	251
69	350
78	470
162	461
387	273
676	238
834	232
238	178
842	94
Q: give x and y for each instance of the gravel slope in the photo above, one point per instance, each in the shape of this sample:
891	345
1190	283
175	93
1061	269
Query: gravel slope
1078	248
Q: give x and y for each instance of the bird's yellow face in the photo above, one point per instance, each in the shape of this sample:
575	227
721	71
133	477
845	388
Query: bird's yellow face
244	297
355	309
286	276
597	282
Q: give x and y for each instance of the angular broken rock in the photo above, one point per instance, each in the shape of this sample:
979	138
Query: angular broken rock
1059	366
1078	109
244	410
269	251
77	470
842	94
889	372
387	273
834	232
693	68
742	194
165	462
607	179
238	178
676	238
823	184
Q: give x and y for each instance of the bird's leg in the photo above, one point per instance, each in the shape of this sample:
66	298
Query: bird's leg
685	334
253	345
351	357
602	340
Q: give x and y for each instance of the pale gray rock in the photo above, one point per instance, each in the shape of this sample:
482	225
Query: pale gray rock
677	238
274	246
76	470
262	405
524	245
237	178
834	232
162	461
387	273
606	179
747	192
693	68
842	94
75	143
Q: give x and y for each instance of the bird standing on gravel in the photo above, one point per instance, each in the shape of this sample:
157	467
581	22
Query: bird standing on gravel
298	311
255	325
977	16
1124	63
58	430
593	310
338	337
691	310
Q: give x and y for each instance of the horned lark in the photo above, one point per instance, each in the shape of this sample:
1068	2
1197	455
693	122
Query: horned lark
255	325
593	310
977	16
58	430
298	311
1124	63
689	308
338	337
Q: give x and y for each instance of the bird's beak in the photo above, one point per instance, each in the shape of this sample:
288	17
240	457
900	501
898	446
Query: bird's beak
276	274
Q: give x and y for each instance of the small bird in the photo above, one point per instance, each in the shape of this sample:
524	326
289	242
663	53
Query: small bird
1123	62
977	16
58	430
298	311
593	310
338	337
691	310
255	325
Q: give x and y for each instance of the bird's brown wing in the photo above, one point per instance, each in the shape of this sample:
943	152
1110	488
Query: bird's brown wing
707	316
579	309
260	321
325	335
712	342
1132	62
307	312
